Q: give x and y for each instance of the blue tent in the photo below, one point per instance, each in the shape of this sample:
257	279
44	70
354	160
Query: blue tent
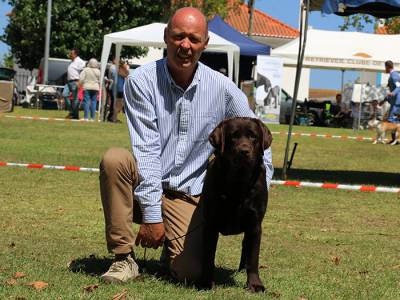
248	47
377	8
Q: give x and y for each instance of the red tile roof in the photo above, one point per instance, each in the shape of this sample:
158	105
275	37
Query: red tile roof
263	24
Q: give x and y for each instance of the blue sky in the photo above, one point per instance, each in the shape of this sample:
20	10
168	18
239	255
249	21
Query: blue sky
4	8
286	11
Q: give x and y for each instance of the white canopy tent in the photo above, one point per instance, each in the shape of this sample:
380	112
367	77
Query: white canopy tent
152	35
343	50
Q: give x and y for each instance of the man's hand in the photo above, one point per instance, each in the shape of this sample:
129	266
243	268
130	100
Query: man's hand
150	235
390	94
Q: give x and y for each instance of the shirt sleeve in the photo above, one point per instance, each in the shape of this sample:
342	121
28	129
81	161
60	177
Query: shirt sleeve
237	105
145	140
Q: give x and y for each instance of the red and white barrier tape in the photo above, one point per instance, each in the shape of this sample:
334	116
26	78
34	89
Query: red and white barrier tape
35	118
364	188
341	137
41	166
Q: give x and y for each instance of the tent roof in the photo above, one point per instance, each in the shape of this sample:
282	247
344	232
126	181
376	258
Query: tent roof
343	50
377	8
152	35
247	46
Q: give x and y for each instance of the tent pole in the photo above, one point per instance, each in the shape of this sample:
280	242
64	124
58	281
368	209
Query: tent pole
360	106
305	8
251	17
342	86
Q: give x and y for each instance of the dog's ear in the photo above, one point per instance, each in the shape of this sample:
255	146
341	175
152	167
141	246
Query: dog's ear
217	137
265	134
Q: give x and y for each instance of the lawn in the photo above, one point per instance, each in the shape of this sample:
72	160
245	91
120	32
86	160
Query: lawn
317	244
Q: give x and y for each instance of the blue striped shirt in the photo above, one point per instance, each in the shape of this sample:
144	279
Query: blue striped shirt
169	129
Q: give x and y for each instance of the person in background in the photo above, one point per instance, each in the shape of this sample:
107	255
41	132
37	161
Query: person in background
393	97
67	101
340	110
111	86
73	71
123	72
89	79
394	94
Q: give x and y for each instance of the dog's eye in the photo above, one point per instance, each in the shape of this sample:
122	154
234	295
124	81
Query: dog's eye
251	135
235	135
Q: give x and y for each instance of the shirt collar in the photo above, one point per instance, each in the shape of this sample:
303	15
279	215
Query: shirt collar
196	77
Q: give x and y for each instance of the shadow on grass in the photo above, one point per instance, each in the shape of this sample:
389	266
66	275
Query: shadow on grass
95	266
349	177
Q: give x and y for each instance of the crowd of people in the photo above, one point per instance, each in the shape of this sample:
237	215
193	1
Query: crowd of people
342	114
83	88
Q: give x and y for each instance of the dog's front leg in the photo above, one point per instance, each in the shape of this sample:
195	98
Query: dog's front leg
243	257
253	241
210	238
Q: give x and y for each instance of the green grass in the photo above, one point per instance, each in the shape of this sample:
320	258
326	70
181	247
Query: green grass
50	218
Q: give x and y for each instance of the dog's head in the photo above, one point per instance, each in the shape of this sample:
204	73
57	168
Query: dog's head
241	140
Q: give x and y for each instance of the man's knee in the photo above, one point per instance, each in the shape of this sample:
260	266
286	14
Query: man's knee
115	158
185	269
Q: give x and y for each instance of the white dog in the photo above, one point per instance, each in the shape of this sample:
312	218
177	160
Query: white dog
382	127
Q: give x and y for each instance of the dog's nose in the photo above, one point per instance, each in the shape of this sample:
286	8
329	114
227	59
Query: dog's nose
244	152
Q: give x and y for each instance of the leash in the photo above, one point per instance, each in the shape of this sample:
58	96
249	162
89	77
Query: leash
169	241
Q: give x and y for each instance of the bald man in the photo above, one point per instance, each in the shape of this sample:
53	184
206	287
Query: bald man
172	105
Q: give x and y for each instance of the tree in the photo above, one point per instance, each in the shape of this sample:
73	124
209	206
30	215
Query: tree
82	24
393	25
359	21
8	60
210	8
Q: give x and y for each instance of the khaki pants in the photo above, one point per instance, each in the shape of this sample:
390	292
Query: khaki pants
181	215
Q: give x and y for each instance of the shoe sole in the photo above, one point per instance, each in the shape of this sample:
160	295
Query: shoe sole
110	279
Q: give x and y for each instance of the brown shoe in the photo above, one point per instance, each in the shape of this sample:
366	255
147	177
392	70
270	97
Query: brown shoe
69	116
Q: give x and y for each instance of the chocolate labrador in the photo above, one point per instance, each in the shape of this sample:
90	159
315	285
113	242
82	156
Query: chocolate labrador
235	194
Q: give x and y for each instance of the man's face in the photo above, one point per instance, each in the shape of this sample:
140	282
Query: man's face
186	38
338	98
72	54
387	69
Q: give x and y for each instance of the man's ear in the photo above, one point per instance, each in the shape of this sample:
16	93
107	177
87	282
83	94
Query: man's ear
265	134
206	43
165	34
217	137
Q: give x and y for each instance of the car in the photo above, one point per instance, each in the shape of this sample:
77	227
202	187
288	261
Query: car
57	71
286	107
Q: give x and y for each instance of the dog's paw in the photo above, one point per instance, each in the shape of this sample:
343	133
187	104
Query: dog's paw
254	284
256	287
375	142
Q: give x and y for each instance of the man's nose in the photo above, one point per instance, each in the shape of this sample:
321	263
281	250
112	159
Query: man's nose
185	43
